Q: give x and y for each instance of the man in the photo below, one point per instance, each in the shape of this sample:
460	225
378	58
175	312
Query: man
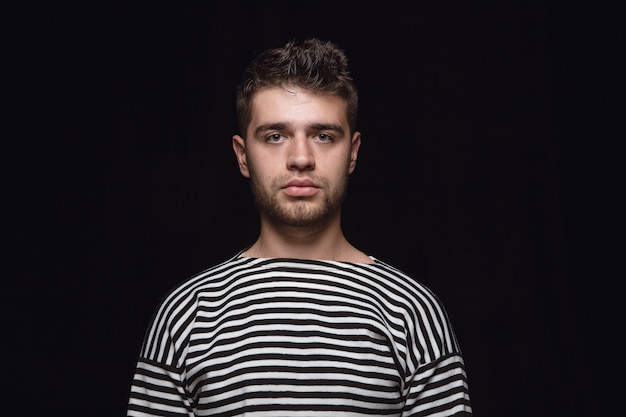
301	323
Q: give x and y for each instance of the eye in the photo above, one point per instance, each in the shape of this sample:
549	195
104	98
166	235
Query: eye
274	138
323	137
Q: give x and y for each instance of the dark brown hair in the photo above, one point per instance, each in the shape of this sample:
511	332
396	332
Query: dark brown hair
312	65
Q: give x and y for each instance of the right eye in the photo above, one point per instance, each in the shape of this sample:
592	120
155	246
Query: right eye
274	138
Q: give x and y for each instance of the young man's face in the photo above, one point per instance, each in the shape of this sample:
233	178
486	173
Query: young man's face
298	154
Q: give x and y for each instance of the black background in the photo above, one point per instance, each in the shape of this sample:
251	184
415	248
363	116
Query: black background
491	168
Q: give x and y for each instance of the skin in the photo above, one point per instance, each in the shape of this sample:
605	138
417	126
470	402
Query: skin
298	154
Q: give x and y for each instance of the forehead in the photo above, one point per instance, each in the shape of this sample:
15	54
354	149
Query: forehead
294	104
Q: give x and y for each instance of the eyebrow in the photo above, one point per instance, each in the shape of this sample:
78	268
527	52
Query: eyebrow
315	126
270	126
328	126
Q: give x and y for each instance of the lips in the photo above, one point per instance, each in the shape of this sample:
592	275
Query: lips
300	187
300	182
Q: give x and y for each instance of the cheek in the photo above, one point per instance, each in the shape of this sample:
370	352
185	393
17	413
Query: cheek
262	173
337	175
264	161
342	164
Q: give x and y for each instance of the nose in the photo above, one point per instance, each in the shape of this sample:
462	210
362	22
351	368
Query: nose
300	154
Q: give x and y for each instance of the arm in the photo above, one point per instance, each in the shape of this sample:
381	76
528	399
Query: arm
157	390
439	388
159	387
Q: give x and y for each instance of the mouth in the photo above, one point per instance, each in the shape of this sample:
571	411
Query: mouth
300	188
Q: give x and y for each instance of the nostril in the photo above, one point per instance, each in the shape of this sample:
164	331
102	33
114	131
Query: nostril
301	162
300	155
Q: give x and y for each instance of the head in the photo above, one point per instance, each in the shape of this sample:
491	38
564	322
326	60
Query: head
311	65
297	112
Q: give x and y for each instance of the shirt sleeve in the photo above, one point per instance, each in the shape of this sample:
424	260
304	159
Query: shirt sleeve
157	390
159	387
439	389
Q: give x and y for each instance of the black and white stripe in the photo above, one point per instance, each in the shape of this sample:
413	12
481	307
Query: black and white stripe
286	337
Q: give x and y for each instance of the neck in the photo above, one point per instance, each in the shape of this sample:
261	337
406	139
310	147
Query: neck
322	242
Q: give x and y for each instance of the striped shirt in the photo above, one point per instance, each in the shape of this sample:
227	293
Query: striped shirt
292	337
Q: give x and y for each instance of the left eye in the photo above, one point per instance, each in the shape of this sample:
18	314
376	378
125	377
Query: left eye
274	138
322	137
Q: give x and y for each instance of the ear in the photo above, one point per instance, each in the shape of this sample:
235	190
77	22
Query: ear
239	146
354	150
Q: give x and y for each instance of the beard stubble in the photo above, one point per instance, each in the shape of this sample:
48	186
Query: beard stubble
299	212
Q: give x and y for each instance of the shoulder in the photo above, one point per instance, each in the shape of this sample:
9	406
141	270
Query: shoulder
400	291
210	279
399	280
428	324
176	311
